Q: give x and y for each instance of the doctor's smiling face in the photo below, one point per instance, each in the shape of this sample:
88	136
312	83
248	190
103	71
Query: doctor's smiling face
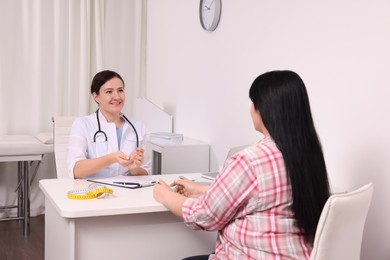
110	96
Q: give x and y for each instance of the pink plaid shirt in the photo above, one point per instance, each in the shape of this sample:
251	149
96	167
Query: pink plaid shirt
249	204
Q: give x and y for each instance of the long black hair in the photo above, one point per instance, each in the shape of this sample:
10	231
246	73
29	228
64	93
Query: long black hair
283	103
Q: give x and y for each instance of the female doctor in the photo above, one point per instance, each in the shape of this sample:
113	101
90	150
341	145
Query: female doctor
106	143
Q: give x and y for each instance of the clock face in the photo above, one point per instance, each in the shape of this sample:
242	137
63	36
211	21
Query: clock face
209	14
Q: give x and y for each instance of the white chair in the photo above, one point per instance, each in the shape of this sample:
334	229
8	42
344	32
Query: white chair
234	150
61	128
340	228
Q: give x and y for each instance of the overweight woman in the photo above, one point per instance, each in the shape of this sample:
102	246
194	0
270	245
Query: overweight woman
267	200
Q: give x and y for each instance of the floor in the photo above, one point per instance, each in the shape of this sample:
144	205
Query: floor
15	246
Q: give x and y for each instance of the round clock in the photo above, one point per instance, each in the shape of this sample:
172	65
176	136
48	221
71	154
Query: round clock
209	14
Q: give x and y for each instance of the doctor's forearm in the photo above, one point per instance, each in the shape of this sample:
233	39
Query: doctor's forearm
138	171
86	167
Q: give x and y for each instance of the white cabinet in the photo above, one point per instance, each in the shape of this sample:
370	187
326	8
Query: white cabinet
190	156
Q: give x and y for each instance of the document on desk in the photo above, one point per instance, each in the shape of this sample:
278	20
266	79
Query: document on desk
129	182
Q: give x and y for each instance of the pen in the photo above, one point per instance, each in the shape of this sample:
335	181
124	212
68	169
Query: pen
144	184
125	183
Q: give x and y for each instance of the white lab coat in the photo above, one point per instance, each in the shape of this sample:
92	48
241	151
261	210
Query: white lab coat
82	145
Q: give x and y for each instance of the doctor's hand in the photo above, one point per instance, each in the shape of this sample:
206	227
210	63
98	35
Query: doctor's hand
123	159
136	158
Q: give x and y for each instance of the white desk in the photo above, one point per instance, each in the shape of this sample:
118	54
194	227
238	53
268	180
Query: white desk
23	149
127	225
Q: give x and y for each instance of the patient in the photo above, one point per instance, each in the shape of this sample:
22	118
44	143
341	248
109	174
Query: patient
267	200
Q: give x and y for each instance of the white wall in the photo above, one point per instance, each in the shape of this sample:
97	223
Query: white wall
341	49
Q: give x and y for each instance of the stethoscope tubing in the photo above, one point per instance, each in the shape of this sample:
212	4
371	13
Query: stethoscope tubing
135	131
99	131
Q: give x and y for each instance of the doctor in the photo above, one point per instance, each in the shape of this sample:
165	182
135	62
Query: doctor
106	143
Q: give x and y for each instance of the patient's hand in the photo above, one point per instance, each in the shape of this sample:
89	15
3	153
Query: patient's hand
189	188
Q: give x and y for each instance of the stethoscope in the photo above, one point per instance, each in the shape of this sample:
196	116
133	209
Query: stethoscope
99	131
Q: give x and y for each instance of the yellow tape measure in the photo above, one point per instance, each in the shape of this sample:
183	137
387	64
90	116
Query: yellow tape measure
93	191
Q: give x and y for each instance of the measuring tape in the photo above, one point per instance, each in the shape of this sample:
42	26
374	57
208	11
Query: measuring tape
93	191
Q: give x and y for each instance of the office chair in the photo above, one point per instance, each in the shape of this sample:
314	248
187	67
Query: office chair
340	228
234	150
61	128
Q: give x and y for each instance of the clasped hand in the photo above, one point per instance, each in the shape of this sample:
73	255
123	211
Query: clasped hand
133	160
186	188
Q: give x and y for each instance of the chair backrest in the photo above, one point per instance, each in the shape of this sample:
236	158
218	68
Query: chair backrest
340	228
234	150
61	129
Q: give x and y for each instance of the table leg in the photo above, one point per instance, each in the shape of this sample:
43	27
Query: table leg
20	191
26	202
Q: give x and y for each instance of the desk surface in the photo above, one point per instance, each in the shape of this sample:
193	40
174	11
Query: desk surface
130	220
123	200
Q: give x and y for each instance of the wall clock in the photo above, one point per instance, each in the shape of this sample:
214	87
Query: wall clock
210	14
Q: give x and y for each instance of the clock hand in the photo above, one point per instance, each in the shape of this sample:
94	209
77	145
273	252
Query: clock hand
208	8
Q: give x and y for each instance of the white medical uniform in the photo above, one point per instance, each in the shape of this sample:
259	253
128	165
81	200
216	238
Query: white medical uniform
82	145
